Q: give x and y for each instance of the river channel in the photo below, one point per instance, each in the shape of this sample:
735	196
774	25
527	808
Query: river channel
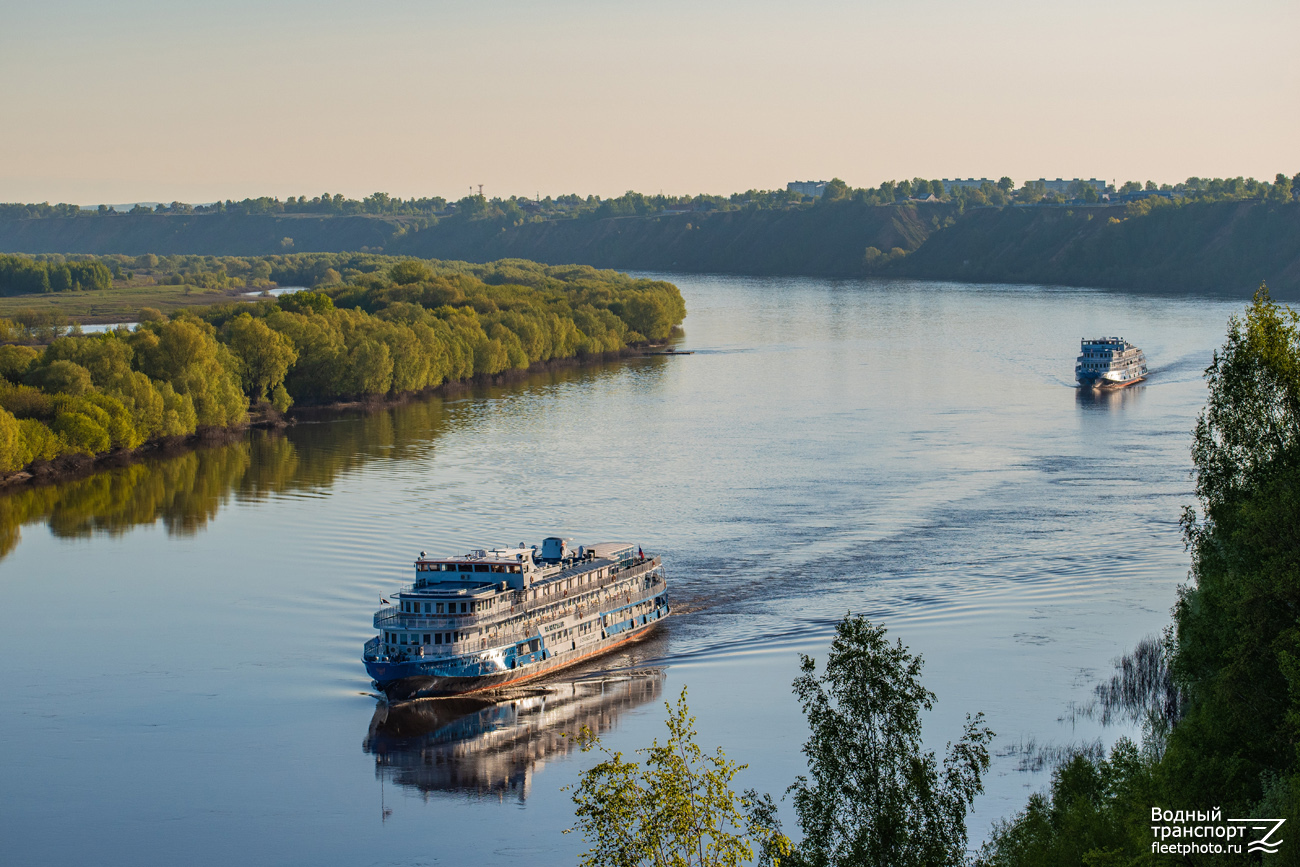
181	637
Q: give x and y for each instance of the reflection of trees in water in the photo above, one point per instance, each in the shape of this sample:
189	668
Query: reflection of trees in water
484	746
185	491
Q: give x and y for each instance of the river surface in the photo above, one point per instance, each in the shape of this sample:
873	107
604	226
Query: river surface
180	638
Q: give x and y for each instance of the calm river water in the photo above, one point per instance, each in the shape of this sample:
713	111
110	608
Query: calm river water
181	638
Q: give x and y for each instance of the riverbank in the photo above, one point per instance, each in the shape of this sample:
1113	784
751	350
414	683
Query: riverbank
266	417
387	327
1185	247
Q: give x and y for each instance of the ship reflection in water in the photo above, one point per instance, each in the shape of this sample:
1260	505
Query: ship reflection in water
487	746
1104	399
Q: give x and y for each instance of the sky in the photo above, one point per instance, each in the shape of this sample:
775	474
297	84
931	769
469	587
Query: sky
143	100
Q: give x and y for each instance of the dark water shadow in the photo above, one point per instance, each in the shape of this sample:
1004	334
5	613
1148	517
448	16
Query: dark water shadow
493	746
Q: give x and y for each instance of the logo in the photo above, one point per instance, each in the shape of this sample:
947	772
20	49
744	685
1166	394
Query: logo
1263	844
1204	829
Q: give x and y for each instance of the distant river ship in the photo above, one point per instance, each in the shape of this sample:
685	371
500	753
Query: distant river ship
1109	362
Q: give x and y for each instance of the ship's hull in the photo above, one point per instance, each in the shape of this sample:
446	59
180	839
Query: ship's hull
1101	382
412	679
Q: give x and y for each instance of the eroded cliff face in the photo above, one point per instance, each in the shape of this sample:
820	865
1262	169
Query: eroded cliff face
203	234
1211	247
827	240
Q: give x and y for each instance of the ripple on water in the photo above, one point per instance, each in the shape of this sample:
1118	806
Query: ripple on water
830	447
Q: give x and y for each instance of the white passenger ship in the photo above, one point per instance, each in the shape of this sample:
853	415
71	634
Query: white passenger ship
1109	362
490	619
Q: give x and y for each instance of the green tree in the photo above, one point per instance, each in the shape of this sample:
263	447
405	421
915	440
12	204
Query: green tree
1096	814
15	361
185	353
1251	420
410	271
265	356
835	190
675	810
1281	191
12	453
1006	185
62	377
1236	651
306	302
873	795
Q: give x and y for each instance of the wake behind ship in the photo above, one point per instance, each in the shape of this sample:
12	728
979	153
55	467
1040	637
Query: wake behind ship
491	619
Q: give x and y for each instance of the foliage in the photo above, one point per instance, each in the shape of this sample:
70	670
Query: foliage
1233	649
23	275
874	797
392	327
179	492
265	356
15	361
1093	815
419	213
1251	423
1237	626
676	809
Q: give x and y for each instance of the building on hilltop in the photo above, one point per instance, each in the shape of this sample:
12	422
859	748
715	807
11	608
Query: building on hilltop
807	188
968	183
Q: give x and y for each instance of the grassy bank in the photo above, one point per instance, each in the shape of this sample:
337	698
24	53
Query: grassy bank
122	303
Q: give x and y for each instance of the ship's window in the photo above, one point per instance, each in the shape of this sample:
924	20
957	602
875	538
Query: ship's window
482	567
437	638
427	607
426	638
438	608
464	606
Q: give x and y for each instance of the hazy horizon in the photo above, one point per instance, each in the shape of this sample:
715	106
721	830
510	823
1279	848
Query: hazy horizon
146	101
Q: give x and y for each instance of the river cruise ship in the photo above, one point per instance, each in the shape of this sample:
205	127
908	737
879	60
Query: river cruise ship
1109	362
490	619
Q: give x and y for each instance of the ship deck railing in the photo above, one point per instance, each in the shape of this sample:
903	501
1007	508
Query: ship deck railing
523	607
471	649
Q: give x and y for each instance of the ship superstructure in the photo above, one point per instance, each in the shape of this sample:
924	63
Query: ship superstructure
1109	362
497	617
